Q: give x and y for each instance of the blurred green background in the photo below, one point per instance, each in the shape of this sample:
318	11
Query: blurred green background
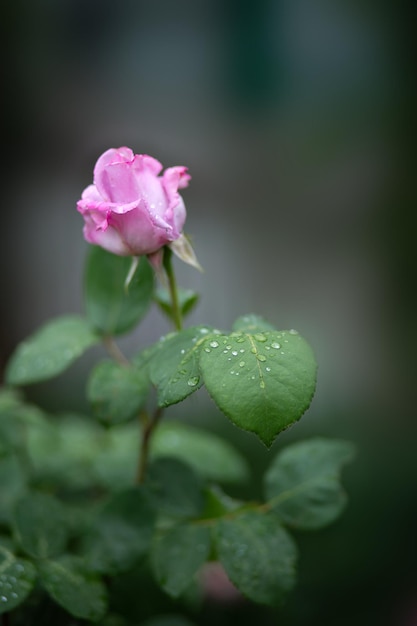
296	120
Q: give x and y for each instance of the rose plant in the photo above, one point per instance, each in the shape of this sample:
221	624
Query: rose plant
100	512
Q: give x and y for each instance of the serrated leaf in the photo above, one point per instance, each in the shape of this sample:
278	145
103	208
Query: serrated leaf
40	525
174	369
73	587
174	488
50	350
303	482
210	455
259	556
117	392
17	579
263	382
121	533
112	309
251	324
178	554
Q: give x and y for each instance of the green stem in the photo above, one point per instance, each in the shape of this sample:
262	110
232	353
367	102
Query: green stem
173	291
114	351
149	424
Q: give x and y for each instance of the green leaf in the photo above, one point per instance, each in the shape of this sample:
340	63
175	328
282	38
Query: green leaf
178	554
13	483
174	488
17	579
218	503
121	533
50	350
251	324
117	392
187	300
263	382
259	556
209	455
40	525
303	482
112	309
73	587
174	368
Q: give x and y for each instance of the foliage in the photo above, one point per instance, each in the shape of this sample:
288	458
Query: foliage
89	505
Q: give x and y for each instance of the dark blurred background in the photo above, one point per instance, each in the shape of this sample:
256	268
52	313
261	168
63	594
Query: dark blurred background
296	119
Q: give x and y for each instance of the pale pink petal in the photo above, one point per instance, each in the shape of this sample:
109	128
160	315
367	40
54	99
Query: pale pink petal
139	232
145	162
113	176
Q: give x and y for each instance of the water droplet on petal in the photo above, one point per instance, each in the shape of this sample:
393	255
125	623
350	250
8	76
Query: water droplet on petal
275	345
268	369
214	344
234	352
193	381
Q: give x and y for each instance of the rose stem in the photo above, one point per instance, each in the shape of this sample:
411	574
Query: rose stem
173	292
148	425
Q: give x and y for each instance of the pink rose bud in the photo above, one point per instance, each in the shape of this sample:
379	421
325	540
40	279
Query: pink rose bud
130	210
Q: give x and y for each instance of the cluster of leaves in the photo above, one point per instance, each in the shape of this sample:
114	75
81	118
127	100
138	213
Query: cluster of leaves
71	520
177	519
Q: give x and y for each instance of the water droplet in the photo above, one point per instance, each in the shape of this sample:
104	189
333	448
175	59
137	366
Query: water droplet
260	337
261	357
240	340
262	384
193	381
234	352
242	364
292	331
14	595
3	598
253	350
282	352
252	377
229	347
214	344
207	350
242	350
268	369
275	345
183	351
237	373
204	331
230	358
232	371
